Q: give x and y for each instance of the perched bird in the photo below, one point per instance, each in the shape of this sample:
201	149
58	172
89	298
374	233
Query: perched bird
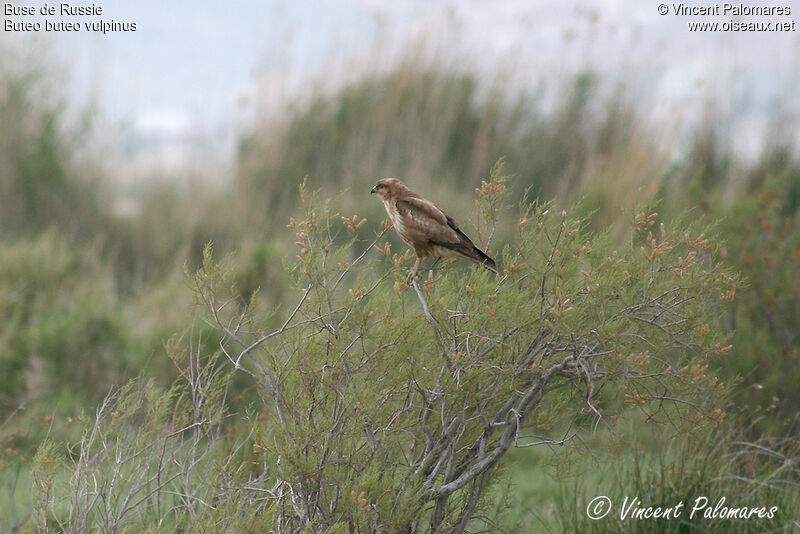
425	227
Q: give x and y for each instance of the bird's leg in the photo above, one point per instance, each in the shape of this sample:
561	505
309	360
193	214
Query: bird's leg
413	273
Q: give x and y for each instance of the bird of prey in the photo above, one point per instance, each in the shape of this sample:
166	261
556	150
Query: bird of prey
425	227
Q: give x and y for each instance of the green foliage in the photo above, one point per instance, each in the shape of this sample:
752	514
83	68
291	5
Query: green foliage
760	229
386	409
763	242
62	327
437	126
41	183
698	471
329	393
143	459
386	416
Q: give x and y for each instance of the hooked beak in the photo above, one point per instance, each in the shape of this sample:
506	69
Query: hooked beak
373	191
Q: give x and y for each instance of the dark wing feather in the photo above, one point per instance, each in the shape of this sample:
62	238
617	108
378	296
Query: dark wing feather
467	247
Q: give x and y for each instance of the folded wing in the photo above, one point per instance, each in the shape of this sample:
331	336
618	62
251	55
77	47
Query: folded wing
426	225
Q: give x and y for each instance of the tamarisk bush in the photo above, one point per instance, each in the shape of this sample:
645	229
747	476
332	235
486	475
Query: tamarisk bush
388	408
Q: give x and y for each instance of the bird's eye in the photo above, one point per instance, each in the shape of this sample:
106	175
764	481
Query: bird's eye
379	186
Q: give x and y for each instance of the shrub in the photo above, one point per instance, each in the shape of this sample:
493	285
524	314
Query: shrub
42	181
762	233
385	416
721	468
62	329
387	409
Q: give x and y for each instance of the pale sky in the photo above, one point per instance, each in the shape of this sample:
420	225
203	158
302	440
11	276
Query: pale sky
193	66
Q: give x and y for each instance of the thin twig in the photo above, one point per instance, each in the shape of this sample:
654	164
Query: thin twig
277	332
431	320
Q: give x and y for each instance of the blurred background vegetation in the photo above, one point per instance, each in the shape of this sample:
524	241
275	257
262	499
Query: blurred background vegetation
89	292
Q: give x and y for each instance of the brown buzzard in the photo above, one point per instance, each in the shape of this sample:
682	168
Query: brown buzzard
425	227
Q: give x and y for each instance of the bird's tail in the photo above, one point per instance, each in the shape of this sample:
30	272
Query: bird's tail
485	260
467	249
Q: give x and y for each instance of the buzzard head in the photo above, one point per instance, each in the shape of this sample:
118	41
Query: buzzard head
387	187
